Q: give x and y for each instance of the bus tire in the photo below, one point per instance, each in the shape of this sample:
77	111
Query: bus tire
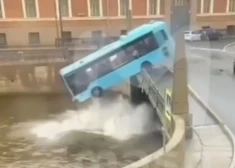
147	66
97	92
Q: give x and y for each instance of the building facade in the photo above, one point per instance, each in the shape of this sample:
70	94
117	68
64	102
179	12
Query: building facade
37	22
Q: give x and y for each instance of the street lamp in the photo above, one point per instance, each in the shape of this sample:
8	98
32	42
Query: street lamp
128	15
60	23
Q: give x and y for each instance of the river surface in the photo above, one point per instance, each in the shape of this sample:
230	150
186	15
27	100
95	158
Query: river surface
52	132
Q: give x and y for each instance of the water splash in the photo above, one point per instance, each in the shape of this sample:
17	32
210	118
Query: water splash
118	119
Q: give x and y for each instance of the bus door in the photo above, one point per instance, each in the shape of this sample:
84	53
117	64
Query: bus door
168	104
162	39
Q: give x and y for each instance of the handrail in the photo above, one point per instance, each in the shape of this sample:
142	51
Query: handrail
156	100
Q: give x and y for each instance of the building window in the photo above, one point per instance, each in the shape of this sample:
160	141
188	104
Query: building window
153	7
105	6
67	37
2	9
181	2
95	7
64	7
34	38
162	7
123	32
123	7
30	8
231	5
207	6
3	39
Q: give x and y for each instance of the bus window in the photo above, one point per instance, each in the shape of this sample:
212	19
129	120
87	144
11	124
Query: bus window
161	37
150	43
121	59
141	46
103	67
164	34
78	81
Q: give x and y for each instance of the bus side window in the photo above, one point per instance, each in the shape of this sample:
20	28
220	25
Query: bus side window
151	43
131	51
121	59
103	67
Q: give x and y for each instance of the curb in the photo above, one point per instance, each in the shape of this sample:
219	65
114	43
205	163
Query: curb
212	113
228	45
166	157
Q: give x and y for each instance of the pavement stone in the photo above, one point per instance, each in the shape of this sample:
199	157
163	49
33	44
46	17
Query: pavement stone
210	148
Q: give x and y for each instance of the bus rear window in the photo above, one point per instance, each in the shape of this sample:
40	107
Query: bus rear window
161	37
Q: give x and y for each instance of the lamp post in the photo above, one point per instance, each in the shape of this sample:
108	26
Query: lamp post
128	15
180	20
56	25
60	23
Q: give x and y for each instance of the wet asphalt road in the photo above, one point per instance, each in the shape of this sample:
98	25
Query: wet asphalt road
220	44
211	76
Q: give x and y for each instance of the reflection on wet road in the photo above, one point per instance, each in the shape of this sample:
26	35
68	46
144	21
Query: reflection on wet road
56	135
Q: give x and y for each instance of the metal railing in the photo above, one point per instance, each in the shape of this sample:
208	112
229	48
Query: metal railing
83	42
157	100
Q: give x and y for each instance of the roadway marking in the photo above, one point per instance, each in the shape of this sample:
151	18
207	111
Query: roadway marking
228	45
212	49
206	126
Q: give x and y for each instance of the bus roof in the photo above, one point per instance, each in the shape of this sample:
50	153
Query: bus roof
135	33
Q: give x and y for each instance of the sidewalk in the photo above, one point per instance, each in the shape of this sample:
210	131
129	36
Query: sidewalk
210	147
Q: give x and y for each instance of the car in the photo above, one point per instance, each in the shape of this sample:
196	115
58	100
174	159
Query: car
210	34
192	35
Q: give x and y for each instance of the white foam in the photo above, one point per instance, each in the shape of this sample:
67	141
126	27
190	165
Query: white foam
118	119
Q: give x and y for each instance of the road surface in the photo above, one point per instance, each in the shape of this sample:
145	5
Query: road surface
163	79
220	44
211	77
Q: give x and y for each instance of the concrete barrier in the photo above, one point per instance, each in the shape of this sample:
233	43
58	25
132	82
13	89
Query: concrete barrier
172	156
212	113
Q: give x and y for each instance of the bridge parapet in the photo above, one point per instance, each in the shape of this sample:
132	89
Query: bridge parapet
29	78
35	70
170	156
157	97
156	85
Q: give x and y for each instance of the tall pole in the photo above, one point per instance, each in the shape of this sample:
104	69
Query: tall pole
61	23
128	15
107	15
56	24
180	20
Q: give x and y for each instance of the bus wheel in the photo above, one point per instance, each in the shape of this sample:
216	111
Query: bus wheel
147	66
97	92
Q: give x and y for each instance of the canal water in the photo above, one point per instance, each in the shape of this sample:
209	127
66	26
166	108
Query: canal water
52	132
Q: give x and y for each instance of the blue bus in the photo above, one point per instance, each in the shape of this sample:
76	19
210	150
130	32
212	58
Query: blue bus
115	63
